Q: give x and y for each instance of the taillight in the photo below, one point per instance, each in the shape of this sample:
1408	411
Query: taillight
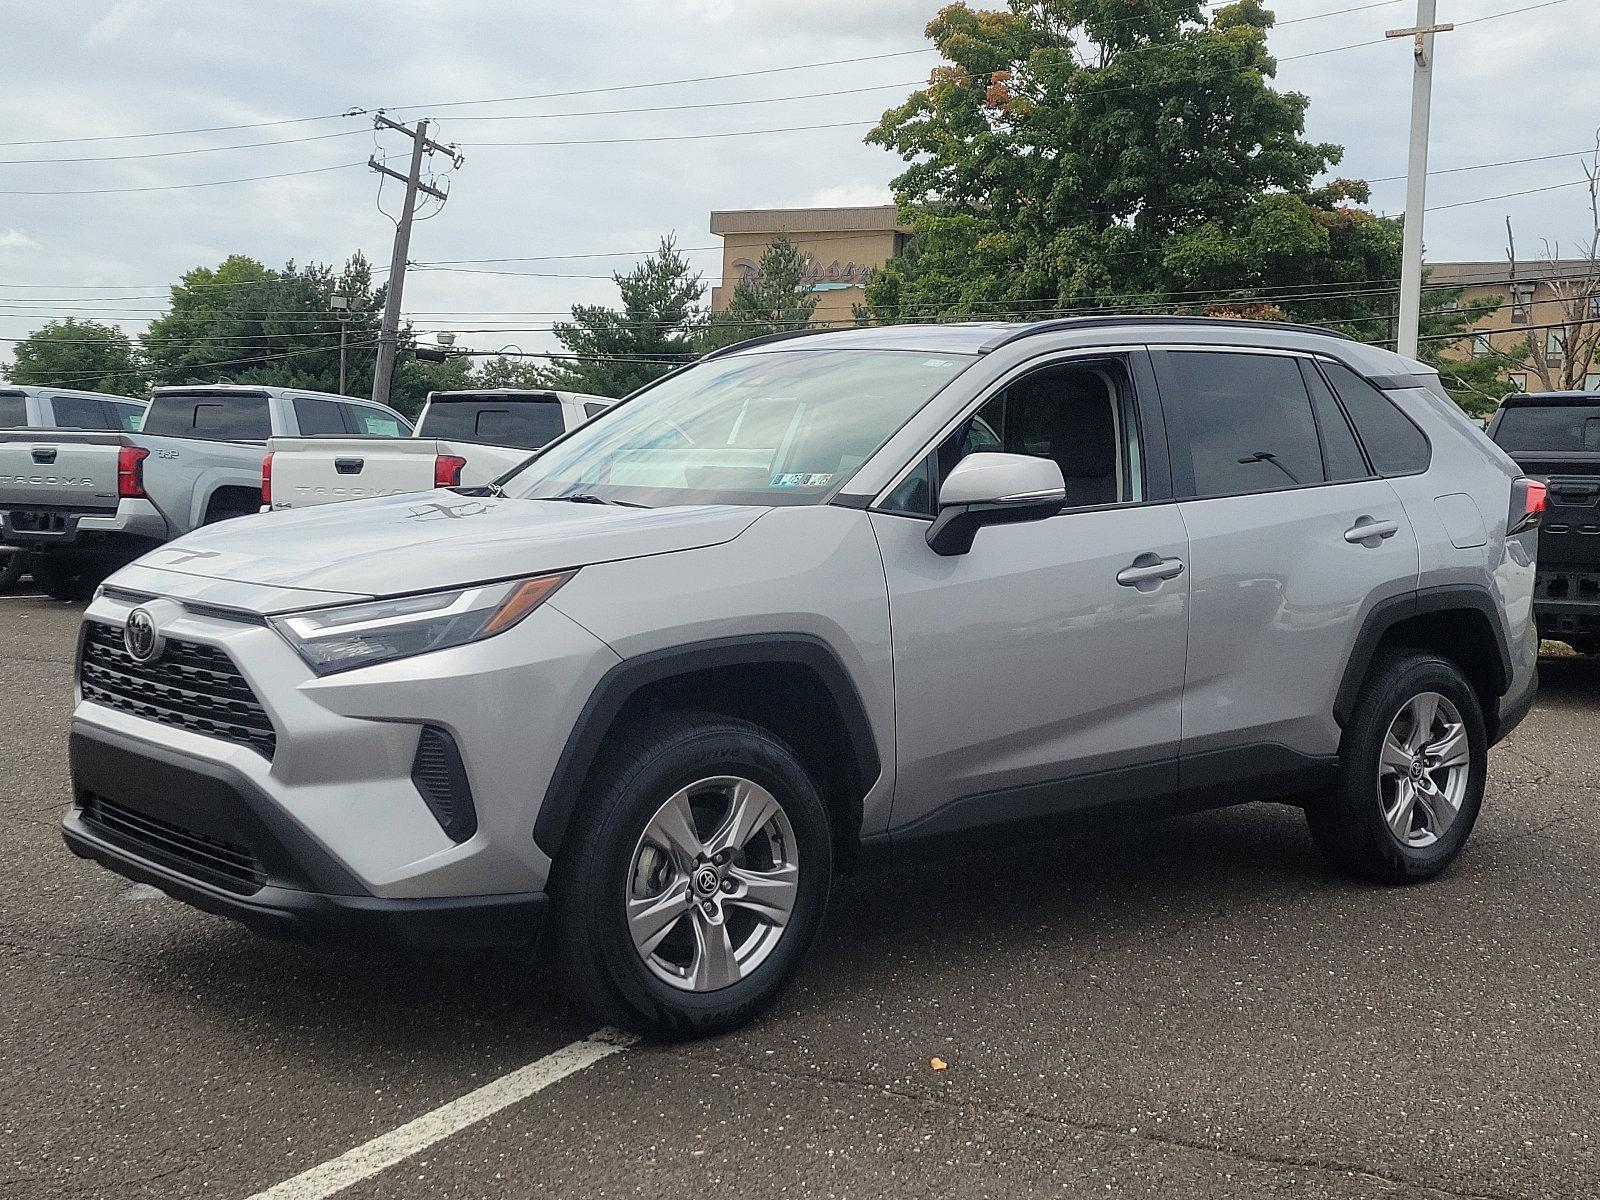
1529	498
130	472
266	481
447	470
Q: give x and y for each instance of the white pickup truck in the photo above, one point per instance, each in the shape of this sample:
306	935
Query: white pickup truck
462	438
27	407
84	502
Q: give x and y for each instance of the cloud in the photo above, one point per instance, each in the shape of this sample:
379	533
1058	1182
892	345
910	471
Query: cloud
122	17
849	195
15	239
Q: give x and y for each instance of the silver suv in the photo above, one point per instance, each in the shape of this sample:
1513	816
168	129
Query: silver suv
813	602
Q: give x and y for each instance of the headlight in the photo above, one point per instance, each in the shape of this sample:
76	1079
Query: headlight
358	635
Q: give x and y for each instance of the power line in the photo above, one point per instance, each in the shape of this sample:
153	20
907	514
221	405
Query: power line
661	108
177	187
674	137
630	87
91	158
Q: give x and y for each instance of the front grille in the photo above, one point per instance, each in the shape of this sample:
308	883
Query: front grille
191	686
208	858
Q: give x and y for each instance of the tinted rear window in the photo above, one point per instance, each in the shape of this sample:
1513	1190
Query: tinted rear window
1393	443
78	412
13	410
1559	428
318	418
524	425
1250	422
219	417
591	411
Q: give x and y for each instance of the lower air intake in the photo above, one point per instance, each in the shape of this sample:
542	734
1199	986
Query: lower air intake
441	778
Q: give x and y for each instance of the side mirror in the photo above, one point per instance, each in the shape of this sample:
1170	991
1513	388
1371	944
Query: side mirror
994	489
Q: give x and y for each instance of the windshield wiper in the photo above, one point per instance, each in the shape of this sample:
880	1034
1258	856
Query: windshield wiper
584	498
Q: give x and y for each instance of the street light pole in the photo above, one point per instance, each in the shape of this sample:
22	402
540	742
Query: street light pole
341	305
1410	330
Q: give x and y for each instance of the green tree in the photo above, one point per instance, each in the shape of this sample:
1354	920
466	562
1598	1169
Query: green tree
612	352
79	354
243	322
777	297
1073	154
505	372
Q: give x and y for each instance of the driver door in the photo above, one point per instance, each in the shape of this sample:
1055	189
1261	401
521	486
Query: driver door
1030	681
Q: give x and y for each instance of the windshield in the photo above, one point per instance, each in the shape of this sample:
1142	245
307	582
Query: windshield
777	427
1555	429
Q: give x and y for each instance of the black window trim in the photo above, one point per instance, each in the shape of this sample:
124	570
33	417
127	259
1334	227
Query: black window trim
1311	371
1156	469
1380	387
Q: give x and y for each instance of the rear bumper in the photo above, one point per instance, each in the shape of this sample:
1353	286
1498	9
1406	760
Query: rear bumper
205	835
133	527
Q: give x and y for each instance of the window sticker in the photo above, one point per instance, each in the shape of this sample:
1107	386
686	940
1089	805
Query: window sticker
800	479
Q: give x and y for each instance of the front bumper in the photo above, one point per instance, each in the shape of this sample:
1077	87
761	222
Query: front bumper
204	834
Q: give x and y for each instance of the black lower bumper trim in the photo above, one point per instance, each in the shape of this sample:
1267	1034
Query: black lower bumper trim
444	923
204	834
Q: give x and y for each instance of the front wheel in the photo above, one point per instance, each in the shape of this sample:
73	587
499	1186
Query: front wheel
693	878
1411	773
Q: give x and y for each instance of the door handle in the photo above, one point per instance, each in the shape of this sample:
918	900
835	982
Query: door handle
349	466
44	455
1366	530
1149	568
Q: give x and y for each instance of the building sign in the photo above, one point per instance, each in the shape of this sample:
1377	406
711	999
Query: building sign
820	278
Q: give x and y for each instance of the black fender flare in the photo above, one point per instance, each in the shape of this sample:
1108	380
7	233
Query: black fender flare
627	678
1386	614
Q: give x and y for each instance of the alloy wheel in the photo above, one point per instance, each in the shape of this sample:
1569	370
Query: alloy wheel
712	884
1423	770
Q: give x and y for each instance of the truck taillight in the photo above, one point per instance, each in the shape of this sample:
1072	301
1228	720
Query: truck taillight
1529	497
266	480
130	472
447	470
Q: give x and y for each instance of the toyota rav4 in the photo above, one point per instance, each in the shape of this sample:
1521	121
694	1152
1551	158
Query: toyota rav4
813	602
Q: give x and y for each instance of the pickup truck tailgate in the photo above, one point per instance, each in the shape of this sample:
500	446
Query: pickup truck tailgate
1570	531
310	471
53	469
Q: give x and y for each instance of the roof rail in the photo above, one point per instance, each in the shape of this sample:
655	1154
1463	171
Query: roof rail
782	336
1066	323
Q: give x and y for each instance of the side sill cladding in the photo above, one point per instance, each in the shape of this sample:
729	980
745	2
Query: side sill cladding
625	680
1386	614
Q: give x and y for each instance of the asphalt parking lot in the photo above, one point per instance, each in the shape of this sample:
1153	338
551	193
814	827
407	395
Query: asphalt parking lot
1194	1009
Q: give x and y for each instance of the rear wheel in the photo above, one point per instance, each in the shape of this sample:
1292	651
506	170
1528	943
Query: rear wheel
694	876
13	565
1411	773
62	578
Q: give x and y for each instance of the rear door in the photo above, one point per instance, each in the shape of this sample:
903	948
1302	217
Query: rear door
1292	538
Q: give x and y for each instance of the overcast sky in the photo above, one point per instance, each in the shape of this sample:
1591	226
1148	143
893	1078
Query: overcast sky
1518	87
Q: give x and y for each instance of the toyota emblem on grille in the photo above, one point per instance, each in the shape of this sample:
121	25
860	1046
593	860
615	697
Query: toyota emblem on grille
140	637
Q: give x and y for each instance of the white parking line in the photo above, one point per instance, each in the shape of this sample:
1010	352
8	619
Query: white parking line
387	1149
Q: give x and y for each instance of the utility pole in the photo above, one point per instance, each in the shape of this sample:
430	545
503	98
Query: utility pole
389	333
1417	172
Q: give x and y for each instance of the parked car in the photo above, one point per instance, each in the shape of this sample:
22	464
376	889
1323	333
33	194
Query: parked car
24	407
84	502
1555	438
466	438
881	591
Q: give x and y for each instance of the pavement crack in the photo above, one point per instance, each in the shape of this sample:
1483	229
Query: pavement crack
1101	1128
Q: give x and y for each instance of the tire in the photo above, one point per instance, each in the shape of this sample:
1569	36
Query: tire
1352	827
62	578
13	566
614	860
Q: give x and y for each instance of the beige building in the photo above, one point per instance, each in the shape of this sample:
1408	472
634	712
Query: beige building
1536	307
842	243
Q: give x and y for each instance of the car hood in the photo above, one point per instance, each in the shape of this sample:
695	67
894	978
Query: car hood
414	543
